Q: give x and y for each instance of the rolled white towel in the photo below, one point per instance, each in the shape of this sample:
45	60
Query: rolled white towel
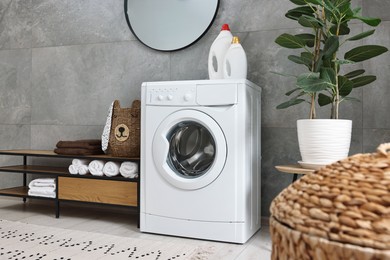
83	169
129	169
73	169
78	162
96	167
42	182
111	169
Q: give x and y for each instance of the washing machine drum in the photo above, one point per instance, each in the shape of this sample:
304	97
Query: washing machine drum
191	149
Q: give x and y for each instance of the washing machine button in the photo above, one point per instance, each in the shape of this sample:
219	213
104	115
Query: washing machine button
160	97
169	97
187	97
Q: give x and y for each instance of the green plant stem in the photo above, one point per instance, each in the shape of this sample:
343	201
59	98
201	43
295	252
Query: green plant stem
312	107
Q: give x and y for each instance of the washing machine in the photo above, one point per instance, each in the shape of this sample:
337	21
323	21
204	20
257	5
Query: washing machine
201	159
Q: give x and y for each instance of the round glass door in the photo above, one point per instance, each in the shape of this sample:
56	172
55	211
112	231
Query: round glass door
189	149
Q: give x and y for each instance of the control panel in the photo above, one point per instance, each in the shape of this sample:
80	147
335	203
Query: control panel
176	95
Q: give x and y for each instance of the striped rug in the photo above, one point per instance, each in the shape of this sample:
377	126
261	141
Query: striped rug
19	241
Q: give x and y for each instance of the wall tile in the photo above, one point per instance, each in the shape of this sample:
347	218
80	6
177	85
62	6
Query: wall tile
15	24
75	85
253	15
192	62
13	137
45	137
69	22
279	147
376	95
15	81
377	8
372	138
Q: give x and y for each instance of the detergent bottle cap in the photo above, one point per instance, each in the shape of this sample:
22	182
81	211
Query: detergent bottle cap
235	40
225	27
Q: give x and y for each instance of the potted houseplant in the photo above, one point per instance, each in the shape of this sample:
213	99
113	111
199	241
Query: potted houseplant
328	80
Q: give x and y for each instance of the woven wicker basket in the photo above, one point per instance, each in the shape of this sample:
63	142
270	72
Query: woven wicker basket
125	130
341	211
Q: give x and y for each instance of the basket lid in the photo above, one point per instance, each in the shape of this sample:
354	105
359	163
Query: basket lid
347	201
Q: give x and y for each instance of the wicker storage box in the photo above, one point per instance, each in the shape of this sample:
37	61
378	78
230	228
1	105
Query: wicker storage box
341	211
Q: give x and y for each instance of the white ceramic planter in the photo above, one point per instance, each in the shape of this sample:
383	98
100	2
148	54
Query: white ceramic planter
323	141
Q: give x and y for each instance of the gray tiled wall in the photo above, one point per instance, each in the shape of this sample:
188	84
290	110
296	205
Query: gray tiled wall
62	62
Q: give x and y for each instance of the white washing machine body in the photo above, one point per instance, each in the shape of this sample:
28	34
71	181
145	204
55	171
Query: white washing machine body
200	159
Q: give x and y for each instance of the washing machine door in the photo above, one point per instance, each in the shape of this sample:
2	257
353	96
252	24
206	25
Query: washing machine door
189	149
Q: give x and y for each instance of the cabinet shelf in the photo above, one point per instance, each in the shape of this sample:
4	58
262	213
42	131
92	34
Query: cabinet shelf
21	191
117	190
57	171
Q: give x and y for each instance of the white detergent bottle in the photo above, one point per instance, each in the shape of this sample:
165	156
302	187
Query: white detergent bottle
217	52
235	63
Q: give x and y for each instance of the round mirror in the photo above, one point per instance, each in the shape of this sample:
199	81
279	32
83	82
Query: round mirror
170	24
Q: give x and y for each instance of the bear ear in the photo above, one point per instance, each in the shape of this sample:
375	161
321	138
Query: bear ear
136	104
116	104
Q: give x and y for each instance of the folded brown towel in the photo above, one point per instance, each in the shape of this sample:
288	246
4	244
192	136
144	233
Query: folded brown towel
78	151
85	144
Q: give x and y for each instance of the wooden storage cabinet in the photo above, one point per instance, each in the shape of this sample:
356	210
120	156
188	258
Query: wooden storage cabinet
118	191
99	191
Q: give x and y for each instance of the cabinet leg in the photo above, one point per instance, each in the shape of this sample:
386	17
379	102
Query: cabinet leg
57	208
295	177
24	200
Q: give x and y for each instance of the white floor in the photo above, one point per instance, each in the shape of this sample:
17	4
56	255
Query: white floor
121	222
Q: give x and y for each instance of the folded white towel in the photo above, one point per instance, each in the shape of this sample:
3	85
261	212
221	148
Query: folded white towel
43	190
111	169
83	169
42	193
43	182
129	169
96	167
78	162
73	169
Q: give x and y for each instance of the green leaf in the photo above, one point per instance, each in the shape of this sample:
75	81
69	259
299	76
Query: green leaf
341	62
363	80
311	22
291	102
366	52
296	59
307	57
307	38
291	91
298	2
356	10
368	20
361	36
324	100
310	85
343	30
354	73
290	41
329	75
351	99
283	74
295	13
345	86
331	46
315	2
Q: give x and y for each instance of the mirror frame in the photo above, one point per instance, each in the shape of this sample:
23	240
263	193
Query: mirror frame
193	42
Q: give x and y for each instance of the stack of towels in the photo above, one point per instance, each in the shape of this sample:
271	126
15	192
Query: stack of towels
101	168
79	147
43	187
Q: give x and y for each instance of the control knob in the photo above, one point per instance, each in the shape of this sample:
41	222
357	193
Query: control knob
187	97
